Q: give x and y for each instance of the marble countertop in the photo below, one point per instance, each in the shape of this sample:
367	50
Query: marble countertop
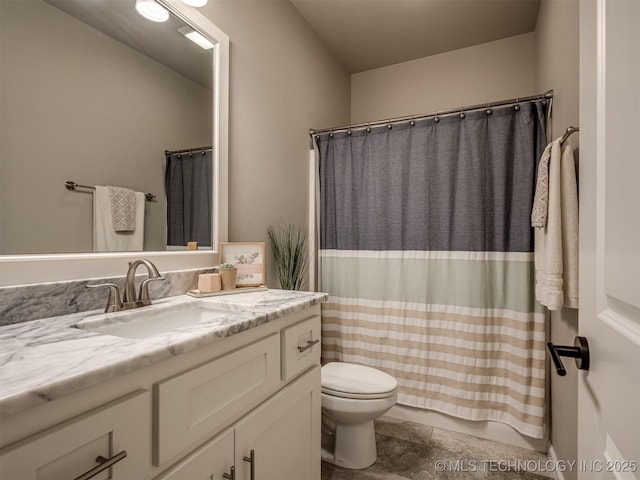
45	359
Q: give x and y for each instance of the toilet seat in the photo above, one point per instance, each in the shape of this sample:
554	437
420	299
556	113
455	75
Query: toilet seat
348	380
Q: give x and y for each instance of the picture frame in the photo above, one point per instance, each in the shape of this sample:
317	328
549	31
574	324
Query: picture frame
249	258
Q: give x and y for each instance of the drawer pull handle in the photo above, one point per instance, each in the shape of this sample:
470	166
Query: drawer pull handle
104	464
231	475
310	344
252	462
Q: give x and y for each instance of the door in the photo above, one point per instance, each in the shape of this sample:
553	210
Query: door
119	431
283	434
609	315
211	461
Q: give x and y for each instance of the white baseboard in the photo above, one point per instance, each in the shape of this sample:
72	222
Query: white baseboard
495	431
554	458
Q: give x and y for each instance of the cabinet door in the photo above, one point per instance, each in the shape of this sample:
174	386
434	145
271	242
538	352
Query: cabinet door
70	449
209	462
284	433
192	406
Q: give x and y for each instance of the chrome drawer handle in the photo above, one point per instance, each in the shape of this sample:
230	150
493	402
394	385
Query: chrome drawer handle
104	464
310	344
231	475
252	461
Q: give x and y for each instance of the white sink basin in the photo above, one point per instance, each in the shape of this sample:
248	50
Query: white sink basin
156	319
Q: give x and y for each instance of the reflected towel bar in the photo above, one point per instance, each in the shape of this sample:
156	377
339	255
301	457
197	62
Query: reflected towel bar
71	185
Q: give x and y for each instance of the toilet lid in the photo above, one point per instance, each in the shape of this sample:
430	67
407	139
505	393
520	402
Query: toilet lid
346	379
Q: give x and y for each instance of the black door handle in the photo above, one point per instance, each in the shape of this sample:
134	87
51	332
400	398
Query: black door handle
580	351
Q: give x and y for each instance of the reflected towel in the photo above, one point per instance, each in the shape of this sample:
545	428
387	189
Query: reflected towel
556	235
123	208
105	237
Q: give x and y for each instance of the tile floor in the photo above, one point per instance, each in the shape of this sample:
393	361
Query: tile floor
409	450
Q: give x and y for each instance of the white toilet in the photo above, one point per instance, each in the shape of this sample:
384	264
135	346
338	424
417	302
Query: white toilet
352	397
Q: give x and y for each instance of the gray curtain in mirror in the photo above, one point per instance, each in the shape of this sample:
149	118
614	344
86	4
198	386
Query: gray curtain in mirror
188	185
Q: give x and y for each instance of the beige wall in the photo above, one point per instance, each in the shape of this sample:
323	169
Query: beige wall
491	71
283	82
557	53
77	105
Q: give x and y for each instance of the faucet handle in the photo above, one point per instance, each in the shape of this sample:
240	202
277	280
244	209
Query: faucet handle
114	304
143	294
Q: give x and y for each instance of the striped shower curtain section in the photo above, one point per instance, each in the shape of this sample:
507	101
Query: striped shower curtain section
426	253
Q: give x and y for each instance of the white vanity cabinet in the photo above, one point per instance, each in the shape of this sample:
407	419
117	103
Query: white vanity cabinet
191	405
277	437
245	407
279	440
71	449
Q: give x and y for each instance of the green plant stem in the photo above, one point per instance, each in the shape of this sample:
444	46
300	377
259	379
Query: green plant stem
289	244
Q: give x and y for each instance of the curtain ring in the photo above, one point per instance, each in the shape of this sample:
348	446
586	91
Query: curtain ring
489	111
179	155
349	132
436	119
389	127
462	115
368	129
412	123
330	134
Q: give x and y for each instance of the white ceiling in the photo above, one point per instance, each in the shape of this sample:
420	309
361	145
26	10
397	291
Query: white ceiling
362	34
367	34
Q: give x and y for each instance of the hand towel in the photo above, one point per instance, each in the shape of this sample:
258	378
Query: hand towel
541	197
105	237
123	209
556	232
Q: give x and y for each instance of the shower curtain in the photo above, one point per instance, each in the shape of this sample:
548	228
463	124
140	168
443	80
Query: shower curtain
426	253
188	185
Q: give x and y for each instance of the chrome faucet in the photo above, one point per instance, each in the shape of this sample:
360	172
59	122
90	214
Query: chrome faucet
129	300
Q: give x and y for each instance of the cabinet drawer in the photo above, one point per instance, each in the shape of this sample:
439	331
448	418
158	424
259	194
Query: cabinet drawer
194	405
300	347
70	449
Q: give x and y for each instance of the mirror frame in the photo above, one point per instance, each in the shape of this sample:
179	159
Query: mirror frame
41	268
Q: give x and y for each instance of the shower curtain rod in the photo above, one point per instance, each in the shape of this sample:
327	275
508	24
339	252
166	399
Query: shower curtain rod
188	150
543	96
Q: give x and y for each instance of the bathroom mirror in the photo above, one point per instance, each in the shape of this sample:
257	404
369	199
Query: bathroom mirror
62	119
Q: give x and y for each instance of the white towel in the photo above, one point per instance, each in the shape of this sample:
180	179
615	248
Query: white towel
555	217
105	237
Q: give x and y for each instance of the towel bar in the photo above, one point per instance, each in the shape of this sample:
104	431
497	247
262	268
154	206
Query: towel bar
71	185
